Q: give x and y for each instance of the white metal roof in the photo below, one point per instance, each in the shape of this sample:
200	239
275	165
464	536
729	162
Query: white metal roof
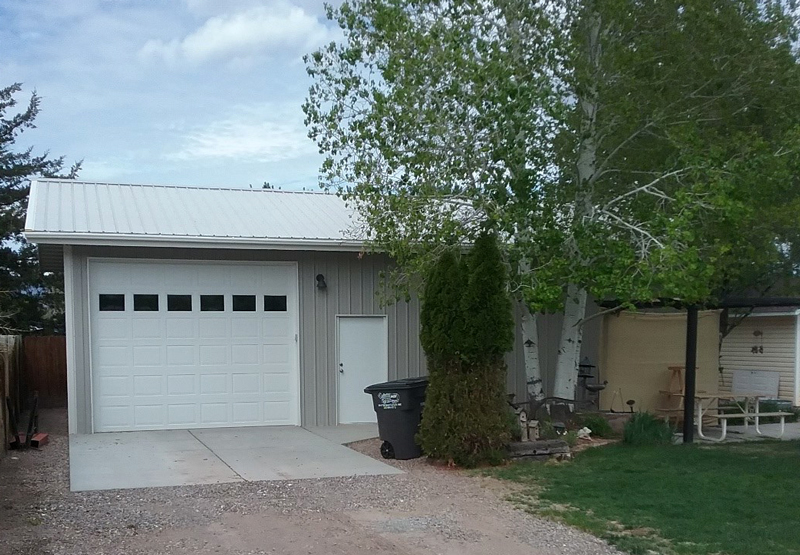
84	213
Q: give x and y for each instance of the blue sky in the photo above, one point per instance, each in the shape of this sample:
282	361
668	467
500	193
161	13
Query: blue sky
183	92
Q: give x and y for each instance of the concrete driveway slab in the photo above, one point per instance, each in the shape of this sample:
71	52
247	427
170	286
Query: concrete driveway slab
347	433
185	457
287	453
143	459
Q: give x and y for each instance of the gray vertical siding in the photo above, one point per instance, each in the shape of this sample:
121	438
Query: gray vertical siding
79	322
354	284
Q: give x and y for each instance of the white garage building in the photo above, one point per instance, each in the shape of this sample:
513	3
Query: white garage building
196	307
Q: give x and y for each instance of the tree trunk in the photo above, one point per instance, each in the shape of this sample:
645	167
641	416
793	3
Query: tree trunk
533	366
569	350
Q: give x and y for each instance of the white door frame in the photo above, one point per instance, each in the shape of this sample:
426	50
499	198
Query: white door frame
88	308
339	318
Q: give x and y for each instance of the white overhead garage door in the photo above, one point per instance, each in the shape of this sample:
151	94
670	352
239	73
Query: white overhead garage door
193	344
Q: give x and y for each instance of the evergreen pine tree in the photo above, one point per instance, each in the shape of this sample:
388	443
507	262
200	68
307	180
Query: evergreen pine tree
466	330
29	300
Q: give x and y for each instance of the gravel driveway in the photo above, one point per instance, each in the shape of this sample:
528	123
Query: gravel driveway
427	510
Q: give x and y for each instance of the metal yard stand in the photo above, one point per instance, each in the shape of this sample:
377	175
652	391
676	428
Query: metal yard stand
32	437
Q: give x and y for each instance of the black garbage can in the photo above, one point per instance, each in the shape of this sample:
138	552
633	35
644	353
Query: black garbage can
398	405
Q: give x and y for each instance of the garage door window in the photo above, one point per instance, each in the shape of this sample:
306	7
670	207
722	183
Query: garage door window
179	303
244	303
274	303
212	303
112	303
145	303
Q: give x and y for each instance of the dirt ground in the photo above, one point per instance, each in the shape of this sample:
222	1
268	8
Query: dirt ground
428	510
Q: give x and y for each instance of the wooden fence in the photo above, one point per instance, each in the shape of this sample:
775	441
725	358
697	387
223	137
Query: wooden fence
44	369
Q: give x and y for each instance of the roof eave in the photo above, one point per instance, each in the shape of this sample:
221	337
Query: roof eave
167	241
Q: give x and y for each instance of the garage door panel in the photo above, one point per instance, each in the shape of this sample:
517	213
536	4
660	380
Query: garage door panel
246	383
277	354
149	415
115	417
112	278
148	355
214	355
275	278
182	384
148	385
108	355
245	278
146	328
215	276
278	383
184	414
244	327
274	411
247	412
110	386
214	384
214	413
181	355
277	328
244	354
113	328
180	328
155	369
213	328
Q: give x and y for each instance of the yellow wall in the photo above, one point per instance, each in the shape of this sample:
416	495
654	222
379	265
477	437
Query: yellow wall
636	349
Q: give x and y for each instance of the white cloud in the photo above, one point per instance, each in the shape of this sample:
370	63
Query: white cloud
258	133
259	30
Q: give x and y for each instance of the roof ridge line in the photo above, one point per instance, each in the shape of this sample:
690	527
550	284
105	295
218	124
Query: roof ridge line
188	187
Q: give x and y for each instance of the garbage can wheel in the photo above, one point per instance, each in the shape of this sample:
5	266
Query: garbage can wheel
387	451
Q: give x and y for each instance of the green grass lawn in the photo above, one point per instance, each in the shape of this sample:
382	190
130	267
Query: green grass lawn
735	499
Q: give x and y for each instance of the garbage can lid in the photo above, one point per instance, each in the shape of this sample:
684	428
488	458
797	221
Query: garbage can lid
394	385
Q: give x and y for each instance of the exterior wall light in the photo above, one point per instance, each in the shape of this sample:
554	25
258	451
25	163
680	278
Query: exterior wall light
321	285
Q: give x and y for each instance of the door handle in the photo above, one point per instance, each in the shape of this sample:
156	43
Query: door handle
341	368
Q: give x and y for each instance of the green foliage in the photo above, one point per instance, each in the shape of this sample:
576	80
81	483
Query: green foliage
486	307
29	301
547	430
441	323
647	429
737	499
595	422
571	437
514	428
465	332
465	420
636	149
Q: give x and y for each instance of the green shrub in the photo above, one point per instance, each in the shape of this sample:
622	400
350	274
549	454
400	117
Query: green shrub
595	422
465	331
571	437
646	429
547	430
514	428
486	309
458	425
441	322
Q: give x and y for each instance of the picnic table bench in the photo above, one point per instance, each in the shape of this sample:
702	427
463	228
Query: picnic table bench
723	418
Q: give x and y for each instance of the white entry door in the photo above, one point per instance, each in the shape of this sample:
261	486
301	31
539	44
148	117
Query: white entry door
363	361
